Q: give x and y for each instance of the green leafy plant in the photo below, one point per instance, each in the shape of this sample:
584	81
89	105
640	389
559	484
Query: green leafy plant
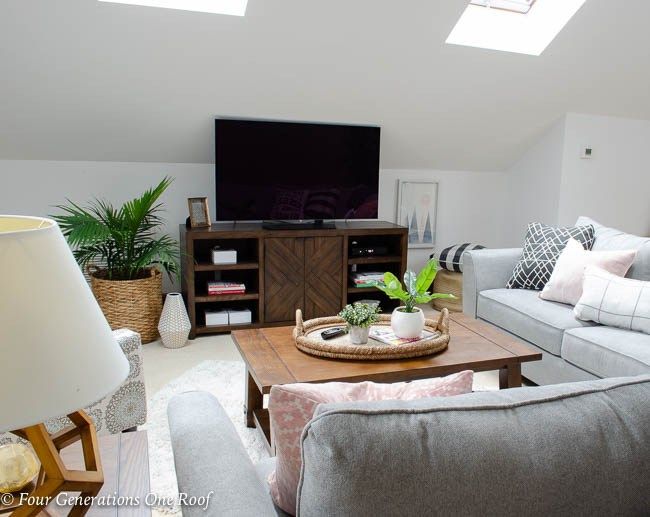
416	287
127	241
360	314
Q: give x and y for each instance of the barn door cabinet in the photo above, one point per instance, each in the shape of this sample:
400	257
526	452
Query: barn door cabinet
285	270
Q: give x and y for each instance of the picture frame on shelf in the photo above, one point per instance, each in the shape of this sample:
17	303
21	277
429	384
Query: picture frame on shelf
199	212
417	209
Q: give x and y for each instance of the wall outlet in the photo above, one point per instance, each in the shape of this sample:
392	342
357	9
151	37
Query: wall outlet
587	152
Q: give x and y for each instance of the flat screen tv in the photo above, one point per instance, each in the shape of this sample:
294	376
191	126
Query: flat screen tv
295	171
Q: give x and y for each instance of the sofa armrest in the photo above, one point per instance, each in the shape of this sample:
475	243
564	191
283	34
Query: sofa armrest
486	269
210	457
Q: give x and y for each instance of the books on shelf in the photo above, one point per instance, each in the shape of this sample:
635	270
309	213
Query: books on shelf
223	288
386	335
366	278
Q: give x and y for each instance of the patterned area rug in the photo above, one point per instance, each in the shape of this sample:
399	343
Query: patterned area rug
225	380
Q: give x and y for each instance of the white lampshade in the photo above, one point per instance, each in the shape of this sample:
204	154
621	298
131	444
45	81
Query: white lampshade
56	349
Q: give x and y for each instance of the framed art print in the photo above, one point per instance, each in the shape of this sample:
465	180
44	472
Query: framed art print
199	212
417	209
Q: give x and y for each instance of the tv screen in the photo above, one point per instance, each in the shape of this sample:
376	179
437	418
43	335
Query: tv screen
267	170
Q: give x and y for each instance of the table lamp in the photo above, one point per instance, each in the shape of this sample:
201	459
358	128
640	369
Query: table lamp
57	352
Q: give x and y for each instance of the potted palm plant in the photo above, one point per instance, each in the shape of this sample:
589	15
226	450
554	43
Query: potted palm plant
407	321
125	252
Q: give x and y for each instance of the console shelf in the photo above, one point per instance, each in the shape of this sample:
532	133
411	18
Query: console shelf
226	298
215	329
352	289
226	267
375	260
285	270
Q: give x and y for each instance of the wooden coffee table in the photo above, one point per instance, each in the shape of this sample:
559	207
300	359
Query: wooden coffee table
272	358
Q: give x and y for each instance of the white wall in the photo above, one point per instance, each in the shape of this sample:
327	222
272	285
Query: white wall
470	204
471	207
534	183
613	186
35	187
551	183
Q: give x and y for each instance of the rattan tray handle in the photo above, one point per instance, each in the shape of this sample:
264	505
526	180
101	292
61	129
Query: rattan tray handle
299	322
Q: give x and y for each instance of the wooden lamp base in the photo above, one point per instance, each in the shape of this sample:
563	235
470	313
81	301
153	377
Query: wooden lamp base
54	477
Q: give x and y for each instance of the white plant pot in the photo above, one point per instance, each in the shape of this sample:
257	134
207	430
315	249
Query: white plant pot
407	324
359	335
174	325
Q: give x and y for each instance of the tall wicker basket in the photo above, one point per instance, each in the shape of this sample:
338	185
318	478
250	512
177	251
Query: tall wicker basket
449	282
132	304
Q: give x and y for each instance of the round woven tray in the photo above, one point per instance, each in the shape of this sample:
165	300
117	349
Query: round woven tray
307	338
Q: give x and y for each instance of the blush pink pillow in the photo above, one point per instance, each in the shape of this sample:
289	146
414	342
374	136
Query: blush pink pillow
565	285
292	406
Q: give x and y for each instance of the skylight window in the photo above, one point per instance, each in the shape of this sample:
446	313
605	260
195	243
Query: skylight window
231	7
521	26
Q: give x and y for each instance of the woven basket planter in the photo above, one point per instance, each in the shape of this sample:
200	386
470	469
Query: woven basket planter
449	282
132	304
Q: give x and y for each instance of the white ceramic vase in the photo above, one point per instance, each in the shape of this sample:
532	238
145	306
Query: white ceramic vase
359	335
407	324
174	325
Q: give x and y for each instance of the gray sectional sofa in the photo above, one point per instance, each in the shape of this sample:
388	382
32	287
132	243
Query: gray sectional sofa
572	449
573	350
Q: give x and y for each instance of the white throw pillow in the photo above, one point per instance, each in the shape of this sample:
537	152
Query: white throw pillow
565	285
611	300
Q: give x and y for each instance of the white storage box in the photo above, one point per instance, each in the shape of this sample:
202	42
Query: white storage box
223	256
216	317
239	316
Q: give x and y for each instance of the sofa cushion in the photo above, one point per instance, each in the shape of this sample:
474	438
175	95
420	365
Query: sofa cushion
573	449
614	301
542	247
607	351
523	313
565	285
291	406
612	239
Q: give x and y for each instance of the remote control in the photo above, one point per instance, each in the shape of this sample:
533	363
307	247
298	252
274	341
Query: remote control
332	333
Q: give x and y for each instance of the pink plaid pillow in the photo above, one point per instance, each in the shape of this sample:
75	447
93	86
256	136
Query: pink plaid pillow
292	406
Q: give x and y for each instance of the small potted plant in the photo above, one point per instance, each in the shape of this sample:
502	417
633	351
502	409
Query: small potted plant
359	317
407	321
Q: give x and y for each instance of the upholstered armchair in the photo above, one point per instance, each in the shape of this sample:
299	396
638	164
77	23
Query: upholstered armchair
123	409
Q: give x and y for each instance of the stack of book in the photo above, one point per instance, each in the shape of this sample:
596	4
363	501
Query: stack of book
366	278
386	335
225	288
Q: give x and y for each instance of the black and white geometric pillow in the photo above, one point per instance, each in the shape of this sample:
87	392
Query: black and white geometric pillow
542	248
451	258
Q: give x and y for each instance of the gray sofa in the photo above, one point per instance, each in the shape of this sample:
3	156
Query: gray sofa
571	449
572	350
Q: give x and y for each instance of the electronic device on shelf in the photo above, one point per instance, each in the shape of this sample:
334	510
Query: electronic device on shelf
222	256
357	250
293	175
